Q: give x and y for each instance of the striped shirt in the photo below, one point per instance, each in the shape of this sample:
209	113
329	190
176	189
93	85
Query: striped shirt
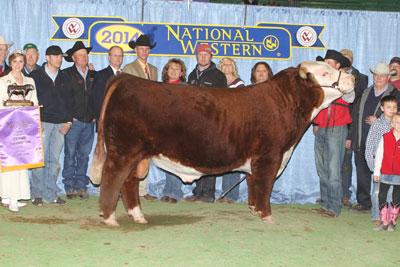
236	83
377	130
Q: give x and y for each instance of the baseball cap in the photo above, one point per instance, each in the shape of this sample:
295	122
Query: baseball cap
395	60
203	48
30	45
54	50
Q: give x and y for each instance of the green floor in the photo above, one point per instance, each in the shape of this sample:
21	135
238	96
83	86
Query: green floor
190	234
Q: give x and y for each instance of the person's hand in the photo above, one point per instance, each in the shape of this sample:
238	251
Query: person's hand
91	66
64	129
370	119
347	144
376	178
315	129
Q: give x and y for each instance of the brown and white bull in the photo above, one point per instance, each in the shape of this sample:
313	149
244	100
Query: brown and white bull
192	131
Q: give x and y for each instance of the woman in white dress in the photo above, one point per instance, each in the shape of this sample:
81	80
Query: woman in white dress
14	185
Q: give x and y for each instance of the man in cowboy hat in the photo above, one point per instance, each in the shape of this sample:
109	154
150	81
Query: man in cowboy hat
4	45
330	134
141	68
366	112
79	139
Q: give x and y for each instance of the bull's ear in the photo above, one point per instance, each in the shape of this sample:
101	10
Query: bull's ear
303	72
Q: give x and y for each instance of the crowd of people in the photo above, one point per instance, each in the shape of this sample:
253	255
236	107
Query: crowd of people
364	122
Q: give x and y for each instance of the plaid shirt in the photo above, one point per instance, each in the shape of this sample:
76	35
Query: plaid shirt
377	130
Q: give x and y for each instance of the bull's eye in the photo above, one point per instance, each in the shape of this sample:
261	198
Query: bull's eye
325	74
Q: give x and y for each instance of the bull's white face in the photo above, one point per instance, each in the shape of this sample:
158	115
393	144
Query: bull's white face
326	76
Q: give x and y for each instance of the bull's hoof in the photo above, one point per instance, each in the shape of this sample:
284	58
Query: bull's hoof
140	220
137	215
111	221
253	210
268	219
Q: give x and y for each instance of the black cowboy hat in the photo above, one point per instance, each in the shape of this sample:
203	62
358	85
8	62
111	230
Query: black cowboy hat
77	46
335	55
142	40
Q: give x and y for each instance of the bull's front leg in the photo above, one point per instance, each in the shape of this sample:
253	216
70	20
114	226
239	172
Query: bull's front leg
251	194
264	173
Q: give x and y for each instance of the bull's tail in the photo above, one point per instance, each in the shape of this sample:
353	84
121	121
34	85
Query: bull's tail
100	152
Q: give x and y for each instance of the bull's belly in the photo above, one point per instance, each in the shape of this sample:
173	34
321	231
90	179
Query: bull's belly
188	174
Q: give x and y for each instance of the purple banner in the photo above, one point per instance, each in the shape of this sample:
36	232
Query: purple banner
20	139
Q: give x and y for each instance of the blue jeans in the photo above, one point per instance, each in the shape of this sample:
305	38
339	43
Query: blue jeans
229	180
329	152
347	171
44	180
78	144
173	185
374	200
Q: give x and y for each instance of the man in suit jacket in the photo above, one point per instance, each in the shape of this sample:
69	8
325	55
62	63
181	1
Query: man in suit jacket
4	46
115	58
140	67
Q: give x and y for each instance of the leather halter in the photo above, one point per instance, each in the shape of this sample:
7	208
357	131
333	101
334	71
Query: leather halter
335	85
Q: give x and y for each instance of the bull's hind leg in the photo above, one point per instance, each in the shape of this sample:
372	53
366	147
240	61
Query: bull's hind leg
130	192
113	176
264	173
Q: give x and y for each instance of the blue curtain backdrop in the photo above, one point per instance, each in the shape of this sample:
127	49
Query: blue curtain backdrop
373	37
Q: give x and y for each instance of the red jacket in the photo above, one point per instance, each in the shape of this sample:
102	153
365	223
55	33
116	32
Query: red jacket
391	155
337	114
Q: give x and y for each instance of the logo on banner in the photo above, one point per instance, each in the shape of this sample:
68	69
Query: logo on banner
263	41
73	28
306	36
271	43
303	36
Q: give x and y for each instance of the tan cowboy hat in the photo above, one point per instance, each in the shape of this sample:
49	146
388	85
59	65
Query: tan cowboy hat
380	69
4	42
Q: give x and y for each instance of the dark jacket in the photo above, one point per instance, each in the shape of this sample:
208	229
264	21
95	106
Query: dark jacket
6	70
98	89
211	77
81	110
25	72
356	127
56	97
360	84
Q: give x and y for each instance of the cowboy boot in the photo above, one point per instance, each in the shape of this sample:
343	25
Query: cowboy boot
393	214
384	216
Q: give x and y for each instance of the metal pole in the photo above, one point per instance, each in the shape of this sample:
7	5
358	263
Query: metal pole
142	17
230	189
